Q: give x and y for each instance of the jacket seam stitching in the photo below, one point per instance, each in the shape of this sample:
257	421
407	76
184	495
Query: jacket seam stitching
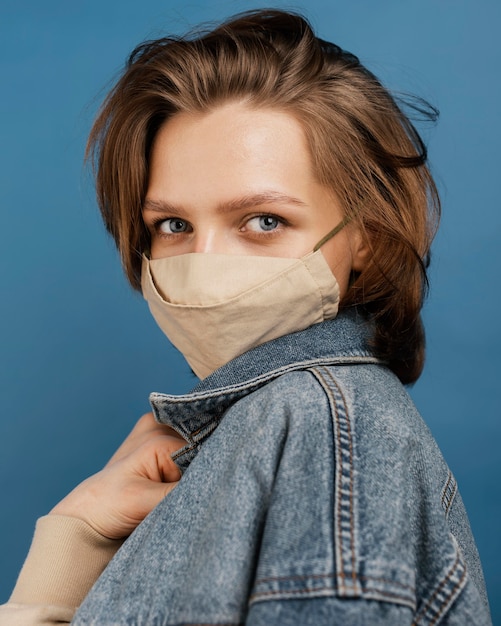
344	544
209	624
369	593
448	595
449	493
237	388
316	576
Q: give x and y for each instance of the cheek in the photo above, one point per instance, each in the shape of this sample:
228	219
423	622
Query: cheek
338	255
154	249
159	251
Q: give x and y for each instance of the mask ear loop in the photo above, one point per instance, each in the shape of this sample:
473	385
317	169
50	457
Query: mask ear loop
346	220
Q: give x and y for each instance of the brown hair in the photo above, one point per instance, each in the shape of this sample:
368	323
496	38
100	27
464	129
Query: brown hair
362	146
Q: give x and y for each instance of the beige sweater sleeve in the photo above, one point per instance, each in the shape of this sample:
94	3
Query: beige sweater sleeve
65	559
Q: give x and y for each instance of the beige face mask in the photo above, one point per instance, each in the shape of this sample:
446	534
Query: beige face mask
214	307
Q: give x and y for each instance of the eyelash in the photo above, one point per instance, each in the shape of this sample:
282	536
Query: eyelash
156	227
267	233
157	224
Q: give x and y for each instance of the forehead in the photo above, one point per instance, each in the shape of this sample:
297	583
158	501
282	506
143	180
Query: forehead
232	149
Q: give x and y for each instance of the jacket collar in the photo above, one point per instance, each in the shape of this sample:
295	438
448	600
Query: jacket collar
343	340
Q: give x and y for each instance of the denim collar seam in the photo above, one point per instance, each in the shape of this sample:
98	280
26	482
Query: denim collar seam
238	388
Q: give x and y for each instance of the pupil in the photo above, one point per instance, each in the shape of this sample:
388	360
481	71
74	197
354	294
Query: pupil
177	225
268	222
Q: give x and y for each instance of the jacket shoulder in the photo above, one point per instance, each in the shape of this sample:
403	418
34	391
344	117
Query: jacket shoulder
368	474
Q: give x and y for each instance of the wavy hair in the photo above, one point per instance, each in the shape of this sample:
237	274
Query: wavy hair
362	145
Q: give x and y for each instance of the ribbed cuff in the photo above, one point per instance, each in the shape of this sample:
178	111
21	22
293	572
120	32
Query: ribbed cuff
65	559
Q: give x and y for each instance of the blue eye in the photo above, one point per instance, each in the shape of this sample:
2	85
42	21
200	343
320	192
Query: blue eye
268	222
263	223
174	225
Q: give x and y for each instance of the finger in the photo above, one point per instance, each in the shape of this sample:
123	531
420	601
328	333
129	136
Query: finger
153	459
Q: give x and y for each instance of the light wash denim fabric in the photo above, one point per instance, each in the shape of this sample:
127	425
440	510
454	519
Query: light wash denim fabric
312	494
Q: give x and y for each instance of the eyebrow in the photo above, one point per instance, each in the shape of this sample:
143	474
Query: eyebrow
237	204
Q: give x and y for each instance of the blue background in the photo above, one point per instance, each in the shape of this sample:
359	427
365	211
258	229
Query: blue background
79	353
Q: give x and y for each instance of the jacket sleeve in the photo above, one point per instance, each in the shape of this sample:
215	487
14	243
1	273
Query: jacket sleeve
65	559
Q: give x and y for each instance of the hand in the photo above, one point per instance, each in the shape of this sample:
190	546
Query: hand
137	477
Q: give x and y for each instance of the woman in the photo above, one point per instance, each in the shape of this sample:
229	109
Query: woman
273	204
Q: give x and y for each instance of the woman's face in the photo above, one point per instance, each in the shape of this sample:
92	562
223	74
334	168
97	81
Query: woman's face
238	180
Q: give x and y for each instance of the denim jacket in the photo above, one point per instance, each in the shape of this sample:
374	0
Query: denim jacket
312	493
